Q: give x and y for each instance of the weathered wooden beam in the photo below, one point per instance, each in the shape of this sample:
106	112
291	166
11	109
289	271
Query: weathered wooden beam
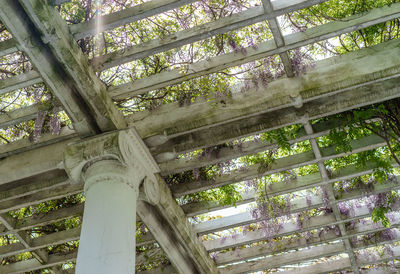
19	81
26	144
166	239
287	245
33	162
173	216
125	16
33	264
259	123
55	33
315	222
18	23
43	181
280	164
268	48
61	64
196	208
170	121
19	115
297	205
7	47
222	25
278	37
331	195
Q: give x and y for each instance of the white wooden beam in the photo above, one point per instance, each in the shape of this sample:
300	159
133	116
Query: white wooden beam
33	162
331	195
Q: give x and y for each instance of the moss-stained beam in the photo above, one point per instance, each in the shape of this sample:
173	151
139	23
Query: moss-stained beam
55	33
43	36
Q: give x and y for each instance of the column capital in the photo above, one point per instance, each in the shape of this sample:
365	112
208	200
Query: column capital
125	146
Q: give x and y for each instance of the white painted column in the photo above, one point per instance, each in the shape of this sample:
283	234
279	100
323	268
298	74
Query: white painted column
107	242
112	167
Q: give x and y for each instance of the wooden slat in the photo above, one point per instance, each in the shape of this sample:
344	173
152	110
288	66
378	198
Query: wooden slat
128	15
265	49
286	245
170	121
19	115
297	205
75	64
290	258
7	47
313	223
200	32
280	164
33	264
26	144
19	81
196	208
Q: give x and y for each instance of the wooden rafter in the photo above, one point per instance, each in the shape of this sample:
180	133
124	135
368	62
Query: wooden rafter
323	90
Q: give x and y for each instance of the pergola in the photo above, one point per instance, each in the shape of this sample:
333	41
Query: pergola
120	161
